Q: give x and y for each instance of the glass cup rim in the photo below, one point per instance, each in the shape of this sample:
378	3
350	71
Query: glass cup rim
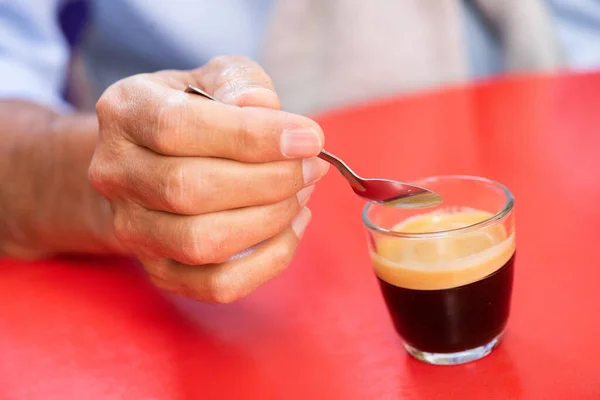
499	215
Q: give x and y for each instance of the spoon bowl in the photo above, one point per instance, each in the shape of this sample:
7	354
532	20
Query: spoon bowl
382	191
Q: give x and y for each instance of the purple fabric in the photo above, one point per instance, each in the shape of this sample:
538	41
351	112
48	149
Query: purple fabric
73	18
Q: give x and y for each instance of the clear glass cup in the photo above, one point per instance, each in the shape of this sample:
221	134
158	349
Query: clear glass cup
446	272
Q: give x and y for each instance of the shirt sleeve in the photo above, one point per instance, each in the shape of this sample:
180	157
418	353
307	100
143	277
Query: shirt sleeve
33	52
578	25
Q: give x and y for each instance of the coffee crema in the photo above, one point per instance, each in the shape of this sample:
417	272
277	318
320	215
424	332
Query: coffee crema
447	262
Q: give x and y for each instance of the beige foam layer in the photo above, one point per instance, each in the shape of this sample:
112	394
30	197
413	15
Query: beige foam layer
446	262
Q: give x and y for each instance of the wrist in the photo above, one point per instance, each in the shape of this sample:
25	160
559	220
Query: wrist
47	204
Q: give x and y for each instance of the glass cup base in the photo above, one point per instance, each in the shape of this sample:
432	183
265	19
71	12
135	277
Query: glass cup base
460	357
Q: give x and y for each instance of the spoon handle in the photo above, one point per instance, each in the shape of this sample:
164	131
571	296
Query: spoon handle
194	90
351	177
344	169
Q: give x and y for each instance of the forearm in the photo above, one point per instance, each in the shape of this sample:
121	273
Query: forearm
46	202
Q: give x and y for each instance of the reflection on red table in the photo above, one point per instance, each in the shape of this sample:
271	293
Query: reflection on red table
95	329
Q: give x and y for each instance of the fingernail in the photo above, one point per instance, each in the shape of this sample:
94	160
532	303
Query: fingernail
314	169
304	194
301	221
298	143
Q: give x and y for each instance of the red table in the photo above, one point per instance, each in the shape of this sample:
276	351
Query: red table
95	329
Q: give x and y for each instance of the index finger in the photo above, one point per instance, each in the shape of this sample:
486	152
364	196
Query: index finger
171	122
189	125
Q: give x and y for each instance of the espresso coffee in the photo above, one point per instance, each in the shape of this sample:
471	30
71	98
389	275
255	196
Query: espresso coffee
452	293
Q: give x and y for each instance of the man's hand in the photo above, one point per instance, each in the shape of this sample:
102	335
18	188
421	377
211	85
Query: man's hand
192	183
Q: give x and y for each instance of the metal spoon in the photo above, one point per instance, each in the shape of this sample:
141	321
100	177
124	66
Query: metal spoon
384	191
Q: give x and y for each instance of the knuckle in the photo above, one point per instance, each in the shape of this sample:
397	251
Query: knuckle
210	248
198	248
132	107
249	139
192	252
102	176
282	255
174	189
159	142
169	125
221	255
113	102
107	173
97	173
222	288
123	225
107	103
214	247
122	106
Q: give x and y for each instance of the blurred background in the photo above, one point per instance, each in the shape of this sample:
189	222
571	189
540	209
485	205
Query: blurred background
324	54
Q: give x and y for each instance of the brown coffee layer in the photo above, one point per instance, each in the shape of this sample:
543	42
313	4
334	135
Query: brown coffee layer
442	263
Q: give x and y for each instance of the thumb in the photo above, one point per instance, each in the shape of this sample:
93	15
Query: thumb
238	81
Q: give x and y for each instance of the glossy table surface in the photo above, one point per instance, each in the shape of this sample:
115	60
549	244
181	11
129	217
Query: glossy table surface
95	329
